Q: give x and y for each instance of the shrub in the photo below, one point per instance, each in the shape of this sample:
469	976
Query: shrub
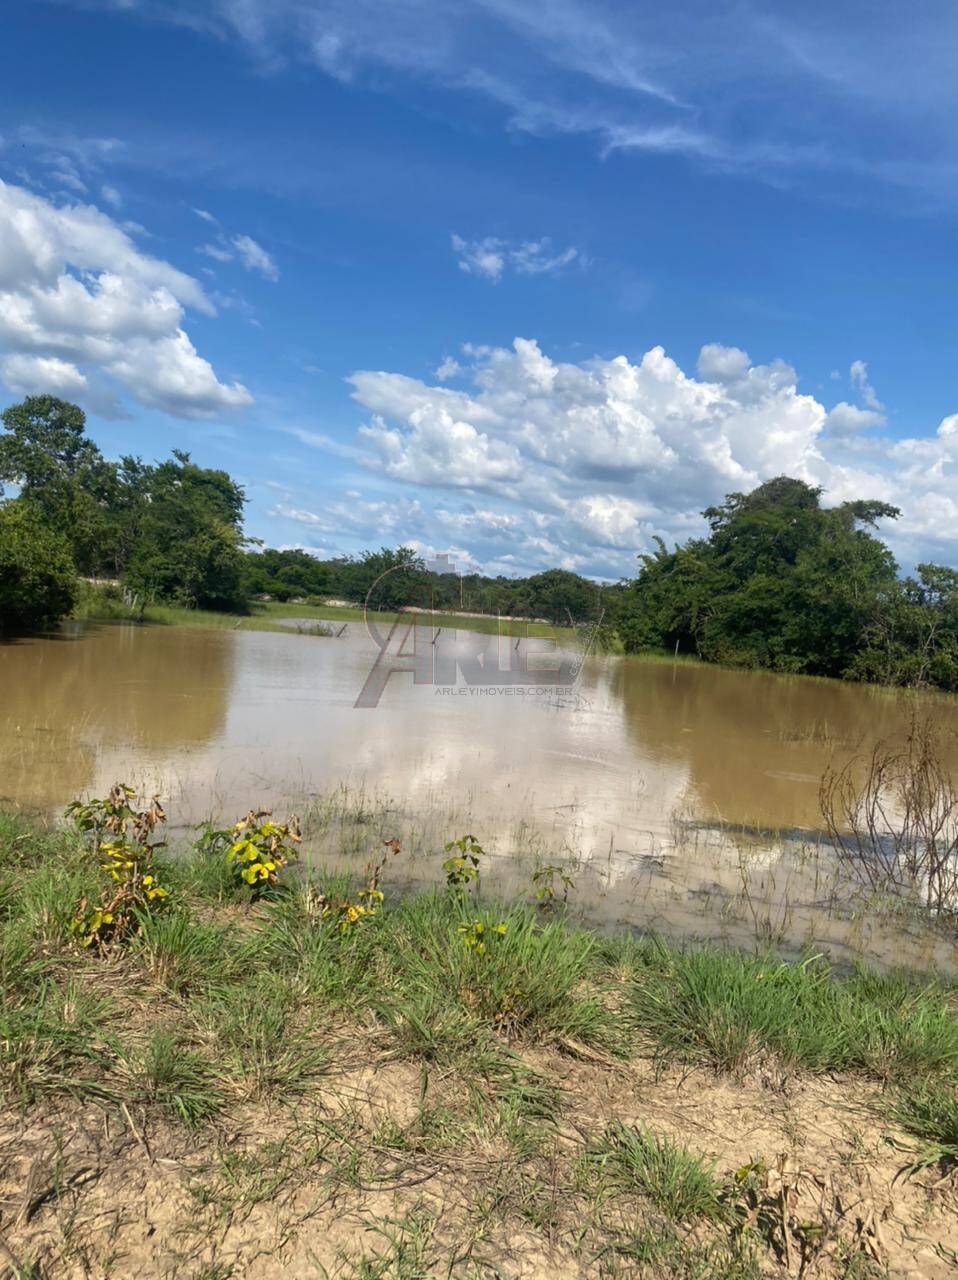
121	836
260	850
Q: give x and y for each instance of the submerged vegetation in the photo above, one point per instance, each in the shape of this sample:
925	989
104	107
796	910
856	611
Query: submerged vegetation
467	1082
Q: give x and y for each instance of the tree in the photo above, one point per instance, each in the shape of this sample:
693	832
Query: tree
385	579
561	596
780	582
37	581
188	541
62	476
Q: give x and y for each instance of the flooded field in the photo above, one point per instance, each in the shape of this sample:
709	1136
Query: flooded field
682	795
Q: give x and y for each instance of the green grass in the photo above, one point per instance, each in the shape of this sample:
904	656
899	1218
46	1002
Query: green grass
223	1018
95	606
929	1112
676	1181
168	1073
255	984
728	1010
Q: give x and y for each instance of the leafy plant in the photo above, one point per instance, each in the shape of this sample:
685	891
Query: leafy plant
346	912
462	869
546	883
121	836
260	850
477	937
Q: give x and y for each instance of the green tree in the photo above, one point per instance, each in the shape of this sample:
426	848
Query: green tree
62	475
385	579
37	580
188	540
780	582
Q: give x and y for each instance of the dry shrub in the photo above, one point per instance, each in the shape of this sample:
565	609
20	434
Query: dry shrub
892	817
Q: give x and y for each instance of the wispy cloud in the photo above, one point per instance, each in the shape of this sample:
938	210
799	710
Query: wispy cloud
772	92
227	248
254	257
492	257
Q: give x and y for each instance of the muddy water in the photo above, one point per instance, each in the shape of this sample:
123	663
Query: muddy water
638	765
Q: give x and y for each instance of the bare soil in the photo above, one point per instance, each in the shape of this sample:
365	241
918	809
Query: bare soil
385	1171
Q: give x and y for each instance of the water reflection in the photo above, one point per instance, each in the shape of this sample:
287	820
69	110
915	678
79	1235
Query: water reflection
643	773
229	718
96	699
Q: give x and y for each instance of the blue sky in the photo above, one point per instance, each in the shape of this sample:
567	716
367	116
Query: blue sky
530	282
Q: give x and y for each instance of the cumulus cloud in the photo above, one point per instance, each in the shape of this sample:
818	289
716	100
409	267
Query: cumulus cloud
722	364
25	375
79	301
449	368
492	257
847	420
549	462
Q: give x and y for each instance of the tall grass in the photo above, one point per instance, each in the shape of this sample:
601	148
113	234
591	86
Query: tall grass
726	1010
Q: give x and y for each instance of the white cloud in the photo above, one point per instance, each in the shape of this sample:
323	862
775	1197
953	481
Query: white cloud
846	420
251	255
859	378
47	375
722	364
448	369
580	464
480	257
27	375
111	195
777	91
255	258
76	291
491	257
218	252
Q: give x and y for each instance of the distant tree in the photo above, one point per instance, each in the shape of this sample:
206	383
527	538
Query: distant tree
37	580
561	596
385	579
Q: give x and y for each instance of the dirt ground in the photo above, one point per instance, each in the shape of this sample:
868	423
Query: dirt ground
377	1173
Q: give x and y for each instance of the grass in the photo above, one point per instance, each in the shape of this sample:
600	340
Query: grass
236	1022
95	606
929	1112
729	1011
680	1184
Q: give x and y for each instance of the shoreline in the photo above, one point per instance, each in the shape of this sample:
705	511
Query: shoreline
283	1095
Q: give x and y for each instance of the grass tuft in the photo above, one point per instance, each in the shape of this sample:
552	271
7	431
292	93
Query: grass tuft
676	1181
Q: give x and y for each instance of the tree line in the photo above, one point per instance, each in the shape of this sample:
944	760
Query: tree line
779	582
172	531
785	583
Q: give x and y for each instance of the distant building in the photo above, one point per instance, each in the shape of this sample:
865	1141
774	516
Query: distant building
441	564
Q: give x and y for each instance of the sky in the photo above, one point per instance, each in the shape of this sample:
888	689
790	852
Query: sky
529	283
